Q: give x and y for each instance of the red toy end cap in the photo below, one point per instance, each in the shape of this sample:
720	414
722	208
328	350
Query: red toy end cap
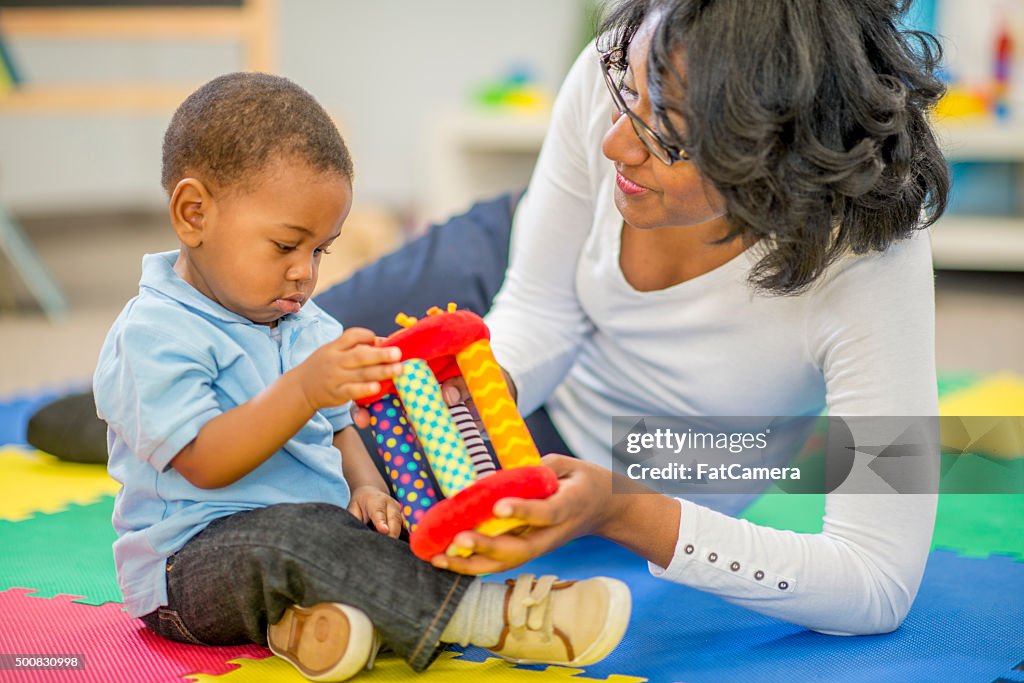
475	504
436	339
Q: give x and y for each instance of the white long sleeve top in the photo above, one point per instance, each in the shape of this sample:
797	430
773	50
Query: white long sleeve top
577	338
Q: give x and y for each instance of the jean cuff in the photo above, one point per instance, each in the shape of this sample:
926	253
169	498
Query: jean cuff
430	646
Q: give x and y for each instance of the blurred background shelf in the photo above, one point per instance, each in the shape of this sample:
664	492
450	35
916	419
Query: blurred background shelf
978	243
476	152
982	140
967	241
246	23
117	99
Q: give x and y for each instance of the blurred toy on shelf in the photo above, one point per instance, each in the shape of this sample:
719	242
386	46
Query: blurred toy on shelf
9	75
982	65
1001	77
516	90
963	103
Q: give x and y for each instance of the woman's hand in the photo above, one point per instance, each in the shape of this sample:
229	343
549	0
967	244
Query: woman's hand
371	505
582	505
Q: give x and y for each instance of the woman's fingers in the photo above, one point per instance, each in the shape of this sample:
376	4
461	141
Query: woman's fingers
455	391
563	465
474	565
557	508
489	554
550	522
360	416
500	553
535	512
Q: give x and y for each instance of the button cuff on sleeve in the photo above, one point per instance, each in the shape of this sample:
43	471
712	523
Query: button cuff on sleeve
707	559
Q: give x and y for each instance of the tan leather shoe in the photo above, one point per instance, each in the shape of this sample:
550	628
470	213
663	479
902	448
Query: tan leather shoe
326	642
571	623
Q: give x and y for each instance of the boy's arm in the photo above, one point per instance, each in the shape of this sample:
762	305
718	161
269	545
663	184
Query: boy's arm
356	464
239	440
371	499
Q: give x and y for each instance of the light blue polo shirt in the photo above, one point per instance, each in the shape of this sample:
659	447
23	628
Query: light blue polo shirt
173	360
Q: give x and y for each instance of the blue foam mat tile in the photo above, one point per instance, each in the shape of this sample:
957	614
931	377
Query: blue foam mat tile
967	624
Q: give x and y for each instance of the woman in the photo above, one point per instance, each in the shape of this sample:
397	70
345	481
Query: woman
733	229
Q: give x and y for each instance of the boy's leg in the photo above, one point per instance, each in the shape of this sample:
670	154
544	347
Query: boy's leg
238	576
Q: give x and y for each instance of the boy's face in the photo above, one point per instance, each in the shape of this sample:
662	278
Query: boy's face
259	246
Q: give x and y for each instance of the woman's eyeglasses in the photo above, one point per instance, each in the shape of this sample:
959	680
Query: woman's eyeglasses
659	149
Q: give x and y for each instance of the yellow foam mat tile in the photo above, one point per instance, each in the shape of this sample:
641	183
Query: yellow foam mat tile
1000	394
449	667
31	482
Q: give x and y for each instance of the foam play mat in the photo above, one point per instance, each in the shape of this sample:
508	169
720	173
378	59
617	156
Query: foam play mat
59	595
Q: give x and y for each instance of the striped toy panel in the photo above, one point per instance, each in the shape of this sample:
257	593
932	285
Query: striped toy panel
481	458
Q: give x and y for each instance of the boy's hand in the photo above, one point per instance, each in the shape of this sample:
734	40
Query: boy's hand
371	505
349	367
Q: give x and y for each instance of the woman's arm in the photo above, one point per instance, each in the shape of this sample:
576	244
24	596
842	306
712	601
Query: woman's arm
873	335
870	328
536	322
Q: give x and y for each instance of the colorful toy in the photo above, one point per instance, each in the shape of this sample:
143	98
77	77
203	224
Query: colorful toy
10	78
515	91
437	463
1001	80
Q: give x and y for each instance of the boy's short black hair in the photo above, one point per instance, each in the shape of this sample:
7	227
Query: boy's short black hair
230	128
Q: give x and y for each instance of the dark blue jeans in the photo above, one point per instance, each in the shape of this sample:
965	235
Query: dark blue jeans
240	574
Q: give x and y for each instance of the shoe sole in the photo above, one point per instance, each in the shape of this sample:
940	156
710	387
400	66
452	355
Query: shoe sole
325	642
620	601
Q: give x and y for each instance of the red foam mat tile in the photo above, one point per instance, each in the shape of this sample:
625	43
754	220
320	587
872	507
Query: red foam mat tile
115	646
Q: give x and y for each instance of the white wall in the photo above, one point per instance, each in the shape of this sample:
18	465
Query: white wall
383	67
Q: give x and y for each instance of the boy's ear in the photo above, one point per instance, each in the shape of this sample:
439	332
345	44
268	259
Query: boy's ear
189	206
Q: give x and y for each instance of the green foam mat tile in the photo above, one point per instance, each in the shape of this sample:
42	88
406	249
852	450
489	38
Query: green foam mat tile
976	525
972	525
951	382
800	512
64	552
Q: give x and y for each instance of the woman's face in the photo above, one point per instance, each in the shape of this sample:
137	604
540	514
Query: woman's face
649	193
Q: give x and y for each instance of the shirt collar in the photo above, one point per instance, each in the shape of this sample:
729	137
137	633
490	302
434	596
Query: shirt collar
159	277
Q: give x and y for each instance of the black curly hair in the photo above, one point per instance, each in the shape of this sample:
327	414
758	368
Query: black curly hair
810	117
230	128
